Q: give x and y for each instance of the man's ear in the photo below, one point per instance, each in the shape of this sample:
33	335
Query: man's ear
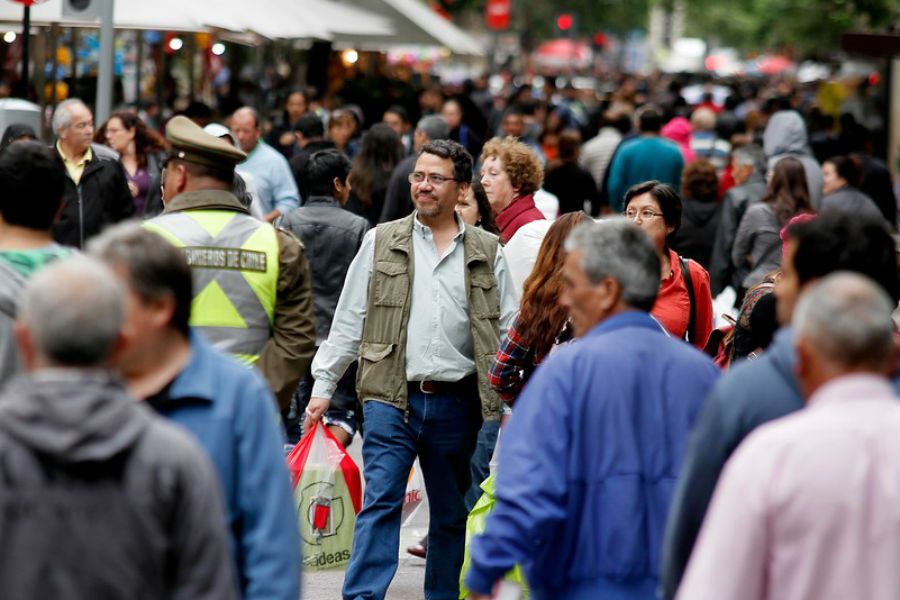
609	293
804	358
463	190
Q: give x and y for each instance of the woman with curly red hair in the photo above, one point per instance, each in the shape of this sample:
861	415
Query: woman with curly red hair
541	323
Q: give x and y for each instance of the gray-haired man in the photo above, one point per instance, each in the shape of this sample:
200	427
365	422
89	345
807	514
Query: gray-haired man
803	506
748	165
591	453
96	192
100	498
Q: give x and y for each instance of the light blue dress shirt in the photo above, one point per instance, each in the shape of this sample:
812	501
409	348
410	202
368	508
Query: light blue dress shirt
275	185
439	343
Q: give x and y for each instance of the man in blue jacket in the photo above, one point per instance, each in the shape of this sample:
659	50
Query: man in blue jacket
224	404
759	391
589	458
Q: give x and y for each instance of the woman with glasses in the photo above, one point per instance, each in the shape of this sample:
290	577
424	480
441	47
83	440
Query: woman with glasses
141	151
684	304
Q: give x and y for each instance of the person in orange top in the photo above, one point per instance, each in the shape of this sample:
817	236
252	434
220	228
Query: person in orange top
684	310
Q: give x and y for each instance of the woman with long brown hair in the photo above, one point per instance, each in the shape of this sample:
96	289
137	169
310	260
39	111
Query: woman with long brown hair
379	153
757	245
541	323
140	152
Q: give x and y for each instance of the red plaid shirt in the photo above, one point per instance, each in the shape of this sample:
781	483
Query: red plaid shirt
514	358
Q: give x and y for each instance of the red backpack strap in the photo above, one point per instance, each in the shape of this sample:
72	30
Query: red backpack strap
689	283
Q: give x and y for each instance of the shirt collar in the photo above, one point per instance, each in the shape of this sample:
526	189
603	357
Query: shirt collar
85	158
631	318
854	387
199	378
425	230
322	201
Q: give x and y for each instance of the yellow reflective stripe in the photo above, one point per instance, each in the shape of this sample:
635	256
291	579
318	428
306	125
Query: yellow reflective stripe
212	308
170	237
212	221
264	285
247	359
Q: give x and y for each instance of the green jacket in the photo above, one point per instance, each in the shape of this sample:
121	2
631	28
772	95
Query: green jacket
382	364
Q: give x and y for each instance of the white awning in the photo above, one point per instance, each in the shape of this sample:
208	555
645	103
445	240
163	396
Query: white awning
370	24
415	24
272	19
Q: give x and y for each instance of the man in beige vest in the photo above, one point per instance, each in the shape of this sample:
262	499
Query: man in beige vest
425	302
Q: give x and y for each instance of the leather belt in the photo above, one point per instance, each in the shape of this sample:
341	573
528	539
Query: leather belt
466	385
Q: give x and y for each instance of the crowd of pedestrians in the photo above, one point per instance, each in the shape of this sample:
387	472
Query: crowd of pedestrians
670	325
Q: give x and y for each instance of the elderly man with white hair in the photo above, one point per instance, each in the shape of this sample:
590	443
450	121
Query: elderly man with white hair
96	193
807	506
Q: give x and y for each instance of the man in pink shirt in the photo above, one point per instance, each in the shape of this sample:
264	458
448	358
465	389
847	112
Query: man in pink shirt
807	507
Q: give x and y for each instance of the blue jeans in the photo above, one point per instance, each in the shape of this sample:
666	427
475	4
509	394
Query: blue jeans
442	430
481	460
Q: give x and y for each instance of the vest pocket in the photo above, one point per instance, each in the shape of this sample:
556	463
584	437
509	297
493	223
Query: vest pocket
391	283
375	351
484	301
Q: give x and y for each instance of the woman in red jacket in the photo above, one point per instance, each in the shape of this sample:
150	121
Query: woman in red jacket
684	304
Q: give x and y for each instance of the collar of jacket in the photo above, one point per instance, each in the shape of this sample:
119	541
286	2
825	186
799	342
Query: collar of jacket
631	318
99	155
200	378
518	206
322	201
207	199
401	240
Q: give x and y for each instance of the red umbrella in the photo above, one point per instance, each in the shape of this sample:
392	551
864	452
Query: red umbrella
772	65
563	51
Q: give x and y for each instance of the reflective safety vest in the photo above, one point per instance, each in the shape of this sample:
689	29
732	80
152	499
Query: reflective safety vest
234	262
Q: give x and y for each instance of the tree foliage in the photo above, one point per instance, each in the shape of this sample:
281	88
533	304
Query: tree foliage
811	27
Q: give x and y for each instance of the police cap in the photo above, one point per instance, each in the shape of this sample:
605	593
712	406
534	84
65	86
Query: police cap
192	144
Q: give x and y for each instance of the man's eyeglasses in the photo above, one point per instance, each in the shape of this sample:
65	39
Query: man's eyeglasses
433	178
643	215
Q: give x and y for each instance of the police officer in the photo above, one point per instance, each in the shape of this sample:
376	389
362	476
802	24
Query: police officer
252	295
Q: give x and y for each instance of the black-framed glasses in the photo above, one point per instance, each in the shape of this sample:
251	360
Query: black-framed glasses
433	178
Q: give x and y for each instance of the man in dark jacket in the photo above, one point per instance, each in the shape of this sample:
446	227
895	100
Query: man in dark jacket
96	192
100	498
749	168
759	391
332	237
310	134
228	408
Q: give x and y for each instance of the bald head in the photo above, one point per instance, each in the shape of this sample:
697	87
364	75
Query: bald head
844	324
245	127
72	315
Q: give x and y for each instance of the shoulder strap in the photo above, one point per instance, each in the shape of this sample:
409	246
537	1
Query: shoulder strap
689	283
